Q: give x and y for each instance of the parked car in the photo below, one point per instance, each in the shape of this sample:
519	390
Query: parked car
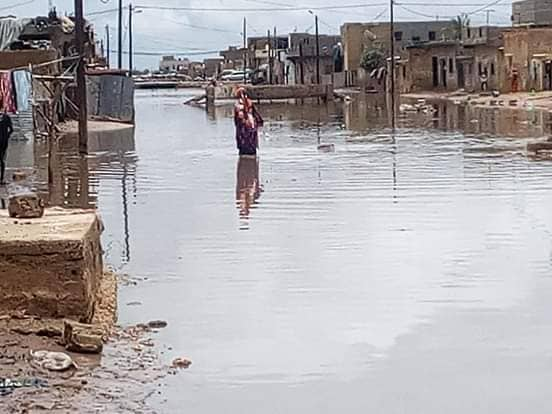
237	76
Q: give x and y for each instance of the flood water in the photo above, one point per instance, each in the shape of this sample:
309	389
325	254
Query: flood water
402	273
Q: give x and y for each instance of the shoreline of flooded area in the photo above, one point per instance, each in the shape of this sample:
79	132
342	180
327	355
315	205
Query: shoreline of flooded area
403	272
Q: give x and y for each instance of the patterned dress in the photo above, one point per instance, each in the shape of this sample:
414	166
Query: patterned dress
247	121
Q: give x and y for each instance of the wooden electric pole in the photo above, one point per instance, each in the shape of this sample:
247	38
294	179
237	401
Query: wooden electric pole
120	35
130	49
81	77
317	50
108	45
392	70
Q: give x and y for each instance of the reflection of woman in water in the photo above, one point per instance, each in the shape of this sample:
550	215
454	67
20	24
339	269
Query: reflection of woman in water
248	188
248	121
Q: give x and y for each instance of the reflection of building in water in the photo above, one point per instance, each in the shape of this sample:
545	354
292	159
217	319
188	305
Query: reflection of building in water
366	113
248	187
73	180
497	121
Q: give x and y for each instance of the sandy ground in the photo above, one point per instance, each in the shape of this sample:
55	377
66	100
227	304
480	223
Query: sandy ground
120	380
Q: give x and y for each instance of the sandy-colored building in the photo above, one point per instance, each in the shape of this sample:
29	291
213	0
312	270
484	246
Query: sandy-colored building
528	52
357	37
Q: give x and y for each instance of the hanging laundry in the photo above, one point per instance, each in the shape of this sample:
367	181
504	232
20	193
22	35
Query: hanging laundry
6	93
22	83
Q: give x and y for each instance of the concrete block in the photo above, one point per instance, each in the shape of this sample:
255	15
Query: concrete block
26	205
51	266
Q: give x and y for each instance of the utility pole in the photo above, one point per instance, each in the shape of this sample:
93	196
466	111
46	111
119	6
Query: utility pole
392	34
120	34
317	50
268	45
245	50
274	51
489	11
130	50
108	45
81	78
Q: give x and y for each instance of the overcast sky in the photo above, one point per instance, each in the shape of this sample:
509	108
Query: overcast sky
160	31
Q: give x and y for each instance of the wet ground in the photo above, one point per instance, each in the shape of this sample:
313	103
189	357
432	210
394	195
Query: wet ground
406	272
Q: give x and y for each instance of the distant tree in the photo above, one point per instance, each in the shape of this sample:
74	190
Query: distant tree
372	59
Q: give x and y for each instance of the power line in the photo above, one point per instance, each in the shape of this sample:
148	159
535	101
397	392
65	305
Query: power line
173	53
251	10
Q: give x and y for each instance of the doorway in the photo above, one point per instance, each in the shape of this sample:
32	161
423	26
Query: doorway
461	77
435	71
444	73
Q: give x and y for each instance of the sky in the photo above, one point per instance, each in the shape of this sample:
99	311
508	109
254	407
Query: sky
192	33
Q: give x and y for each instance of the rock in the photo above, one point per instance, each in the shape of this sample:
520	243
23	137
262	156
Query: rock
82	338
182	363
25	205
157	324
52	361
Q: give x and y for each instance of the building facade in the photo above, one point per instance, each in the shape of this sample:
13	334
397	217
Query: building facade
532	12
358	37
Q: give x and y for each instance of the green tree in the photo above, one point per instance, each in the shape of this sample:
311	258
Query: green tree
372	59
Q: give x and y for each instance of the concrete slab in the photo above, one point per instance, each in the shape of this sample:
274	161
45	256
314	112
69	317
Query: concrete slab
52	266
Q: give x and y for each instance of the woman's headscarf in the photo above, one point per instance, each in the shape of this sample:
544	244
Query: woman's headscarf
244	106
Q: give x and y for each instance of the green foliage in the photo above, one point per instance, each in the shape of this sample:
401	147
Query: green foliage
372	59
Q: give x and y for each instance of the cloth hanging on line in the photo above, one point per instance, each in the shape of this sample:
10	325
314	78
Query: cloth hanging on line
22	83
6	93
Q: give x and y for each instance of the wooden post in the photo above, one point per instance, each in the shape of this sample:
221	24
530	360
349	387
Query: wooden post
120	34
81	78
108	45
269	57
130	50
317	50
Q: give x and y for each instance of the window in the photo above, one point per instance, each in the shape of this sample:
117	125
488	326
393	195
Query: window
480	32
404	72
469	33
451	66
398	36
416	39
432	36
492	69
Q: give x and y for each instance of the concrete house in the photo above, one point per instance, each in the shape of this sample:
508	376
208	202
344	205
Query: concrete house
358	37
532	12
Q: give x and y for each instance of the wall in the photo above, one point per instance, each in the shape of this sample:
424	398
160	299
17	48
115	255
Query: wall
420	67
537	12
22	59
521	47
359	36
111	97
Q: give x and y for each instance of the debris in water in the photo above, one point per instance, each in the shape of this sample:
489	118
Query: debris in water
326	148
52	361
157	324
182	363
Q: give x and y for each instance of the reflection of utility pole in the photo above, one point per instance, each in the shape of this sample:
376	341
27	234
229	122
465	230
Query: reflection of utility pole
81	78
124	194
392	34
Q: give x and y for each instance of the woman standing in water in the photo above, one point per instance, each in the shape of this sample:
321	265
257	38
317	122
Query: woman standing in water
248	121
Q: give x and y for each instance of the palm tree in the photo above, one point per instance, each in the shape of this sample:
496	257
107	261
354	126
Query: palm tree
459	23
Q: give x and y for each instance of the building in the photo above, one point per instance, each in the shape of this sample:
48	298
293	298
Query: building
528	53
171	64
212	67
302	59
449	65
234	57
259	47
532	12
358	37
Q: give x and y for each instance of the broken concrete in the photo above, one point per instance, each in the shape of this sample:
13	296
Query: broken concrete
51	267
82	338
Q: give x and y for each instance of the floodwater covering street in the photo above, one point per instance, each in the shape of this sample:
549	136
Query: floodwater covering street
401	273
